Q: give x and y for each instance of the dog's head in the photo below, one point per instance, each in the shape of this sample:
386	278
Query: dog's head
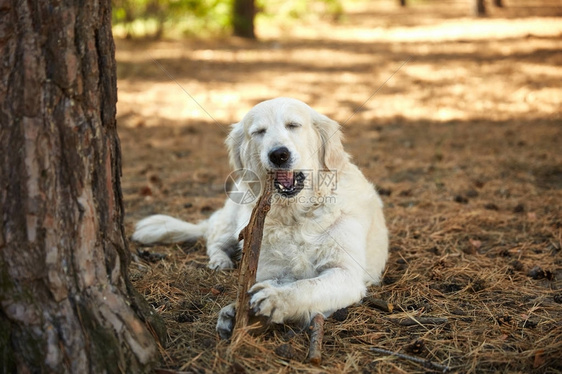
288	138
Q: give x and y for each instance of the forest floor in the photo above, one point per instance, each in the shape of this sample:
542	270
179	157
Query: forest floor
456	120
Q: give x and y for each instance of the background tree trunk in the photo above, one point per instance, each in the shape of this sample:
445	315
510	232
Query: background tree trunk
243	15
66	304
402	2
480	8
498	3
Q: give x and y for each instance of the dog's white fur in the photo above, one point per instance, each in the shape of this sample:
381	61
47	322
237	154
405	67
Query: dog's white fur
321	248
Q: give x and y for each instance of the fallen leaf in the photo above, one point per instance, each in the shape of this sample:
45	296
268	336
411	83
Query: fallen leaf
476	243
146	191
539	359
215	292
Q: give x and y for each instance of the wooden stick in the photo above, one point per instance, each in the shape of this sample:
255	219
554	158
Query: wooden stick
316	337
426	363
252	236
378	303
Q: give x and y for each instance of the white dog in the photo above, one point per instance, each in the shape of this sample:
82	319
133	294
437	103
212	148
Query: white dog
325	238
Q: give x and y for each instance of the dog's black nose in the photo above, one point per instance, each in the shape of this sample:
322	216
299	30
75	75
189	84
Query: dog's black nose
279	156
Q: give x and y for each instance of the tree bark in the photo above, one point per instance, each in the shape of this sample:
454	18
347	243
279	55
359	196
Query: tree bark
243	15
66	304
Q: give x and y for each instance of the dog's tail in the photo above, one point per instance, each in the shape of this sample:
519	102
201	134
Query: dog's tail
161	229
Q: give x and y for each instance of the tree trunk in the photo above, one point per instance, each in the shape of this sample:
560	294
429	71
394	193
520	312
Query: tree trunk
243	15
66	304
498	3
402	2
480	8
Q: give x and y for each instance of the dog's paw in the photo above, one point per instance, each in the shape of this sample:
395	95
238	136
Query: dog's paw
225	323
220	261
270	300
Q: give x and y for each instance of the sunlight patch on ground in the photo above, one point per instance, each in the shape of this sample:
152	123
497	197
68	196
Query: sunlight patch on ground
461	29
337	68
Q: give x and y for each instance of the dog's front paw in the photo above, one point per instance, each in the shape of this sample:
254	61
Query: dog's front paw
270	300
225	323
220	261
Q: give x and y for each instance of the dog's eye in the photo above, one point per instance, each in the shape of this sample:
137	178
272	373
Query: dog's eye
292	125
258	132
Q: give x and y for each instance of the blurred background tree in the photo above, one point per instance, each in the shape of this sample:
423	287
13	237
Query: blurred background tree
151	18
243	14
156	18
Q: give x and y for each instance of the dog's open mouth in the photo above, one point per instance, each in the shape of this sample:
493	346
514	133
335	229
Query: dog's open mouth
288	183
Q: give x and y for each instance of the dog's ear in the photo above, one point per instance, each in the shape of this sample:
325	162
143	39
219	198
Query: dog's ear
331	153
234	145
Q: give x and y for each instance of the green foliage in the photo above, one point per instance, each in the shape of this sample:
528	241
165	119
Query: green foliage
132	18
153	17
299	9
